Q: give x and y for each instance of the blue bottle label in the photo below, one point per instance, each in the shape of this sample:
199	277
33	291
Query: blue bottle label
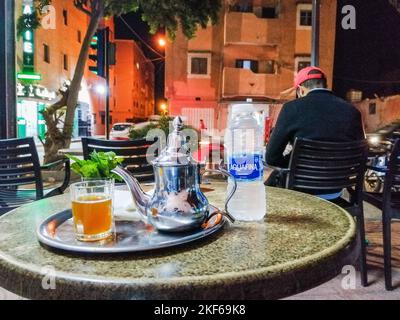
246	167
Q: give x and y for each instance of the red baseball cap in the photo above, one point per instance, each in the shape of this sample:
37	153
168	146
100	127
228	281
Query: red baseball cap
308	74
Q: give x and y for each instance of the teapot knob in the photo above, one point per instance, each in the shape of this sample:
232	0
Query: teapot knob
177	124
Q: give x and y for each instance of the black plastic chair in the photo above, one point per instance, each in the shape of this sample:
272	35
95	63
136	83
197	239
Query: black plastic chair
19	168
389	203
318	168
134	153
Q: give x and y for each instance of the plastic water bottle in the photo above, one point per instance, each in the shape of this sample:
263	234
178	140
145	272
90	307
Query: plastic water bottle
244	143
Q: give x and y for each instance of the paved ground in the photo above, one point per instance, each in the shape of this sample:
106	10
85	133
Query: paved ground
75	144
338	288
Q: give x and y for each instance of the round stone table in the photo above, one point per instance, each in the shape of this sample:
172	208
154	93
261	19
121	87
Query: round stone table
303	242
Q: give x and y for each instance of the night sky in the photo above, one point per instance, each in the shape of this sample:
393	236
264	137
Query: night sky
368	58
136	23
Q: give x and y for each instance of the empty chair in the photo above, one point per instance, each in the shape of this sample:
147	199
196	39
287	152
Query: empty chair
389	203
134	153
20	171
321	168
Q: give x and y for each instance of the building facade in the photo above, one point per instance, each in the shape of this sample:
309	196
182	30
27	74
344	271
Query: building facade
254	52
46	61
379	112
133	83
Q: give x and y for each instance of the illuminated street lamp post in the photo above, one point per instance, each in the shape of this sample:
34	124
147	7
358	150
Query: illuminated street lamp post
162	42
164	108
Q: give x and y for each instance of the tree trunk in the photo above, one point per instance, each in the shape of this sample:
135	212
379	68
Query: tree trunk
56	139
54	136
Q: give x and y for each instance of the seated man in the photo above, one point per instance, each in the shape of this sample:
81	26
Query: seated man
318	115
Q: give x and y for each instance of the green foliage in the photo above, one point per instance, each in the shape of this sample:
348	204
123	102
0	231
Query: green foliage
186	14
98	166
142	132
163	124
170	14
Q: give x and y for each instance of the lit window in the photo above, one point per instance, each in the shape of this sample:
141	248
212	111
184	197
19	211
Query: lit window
247	64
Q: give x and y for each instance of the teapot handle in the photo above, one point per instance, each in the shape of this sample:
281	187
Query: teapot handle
231	193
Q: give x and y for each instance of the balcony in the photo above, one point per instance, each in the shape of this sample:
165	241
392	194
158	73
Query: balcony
247	28
245	83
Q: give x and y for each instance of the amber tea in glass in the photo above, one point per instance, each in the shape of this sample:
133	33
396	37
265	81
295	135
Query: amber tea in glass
92	209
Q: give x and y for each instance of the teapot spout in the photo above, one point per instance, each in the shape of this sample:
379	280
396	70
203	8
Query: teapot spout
140	197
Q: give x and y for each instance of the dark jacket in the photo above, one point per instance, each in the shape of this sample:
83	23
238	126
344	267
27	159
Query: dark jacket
318	116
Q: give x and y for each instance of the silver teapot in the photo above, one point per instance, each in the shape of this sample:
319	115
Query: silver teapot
177	204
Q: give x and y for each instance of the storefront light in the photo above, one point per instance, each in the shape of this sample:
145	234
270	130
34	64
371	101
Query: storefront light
28	47
27	9
100	89
28	35
29	76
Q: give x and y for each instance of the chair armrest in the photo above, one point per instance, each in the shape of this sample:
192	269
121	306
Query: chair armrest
53	164
67	177
282	170
278	176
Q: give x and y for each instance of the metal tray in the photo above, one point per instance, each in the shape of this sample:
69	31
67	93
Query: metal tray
57	231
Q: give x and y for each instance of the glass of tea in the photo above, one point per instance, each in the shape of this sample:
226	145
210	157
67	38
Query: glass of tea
92	209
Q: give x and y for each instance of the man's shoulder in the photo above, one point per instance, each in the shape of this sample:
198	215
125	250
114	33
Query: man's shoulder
346	105
292	105
330	97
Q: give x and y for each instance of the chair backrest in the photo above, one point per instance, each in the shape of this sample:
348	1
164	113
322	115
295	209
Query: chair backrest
319	167
134	153
19	165
392	177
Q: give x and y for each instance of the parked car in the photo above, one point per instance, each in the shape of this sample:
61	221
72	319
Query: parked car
380	147
120	131
150	120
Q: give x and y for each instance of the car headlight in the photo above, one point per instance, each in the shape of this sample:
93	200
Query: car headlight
374	140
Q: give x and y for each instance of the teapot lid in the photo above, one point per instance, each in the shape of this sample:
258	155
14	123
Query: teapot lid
176	153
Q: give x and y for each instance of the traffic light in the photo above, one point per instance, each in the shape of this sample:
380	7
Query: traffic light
98	46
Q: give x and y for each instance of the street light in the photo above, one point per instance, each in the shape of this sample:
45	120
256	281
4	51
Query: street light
100	89
163	107
162	42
